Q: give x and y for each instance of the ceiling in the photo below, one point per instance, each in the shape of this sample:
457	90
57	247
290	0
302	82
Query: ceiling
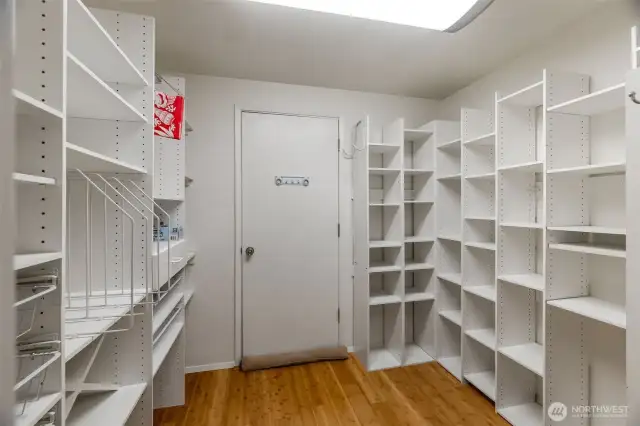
241	39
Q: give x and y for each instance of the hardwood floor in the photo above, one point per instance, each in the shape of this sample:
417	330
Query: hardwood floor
330	394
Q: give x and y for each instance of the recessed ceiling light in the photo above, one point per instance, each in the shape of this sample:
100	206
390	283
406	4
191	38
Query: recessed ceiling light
440	15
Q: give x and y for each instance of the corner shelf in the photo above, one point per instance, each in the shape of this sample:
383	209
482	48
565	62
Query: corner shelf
453	365
382	359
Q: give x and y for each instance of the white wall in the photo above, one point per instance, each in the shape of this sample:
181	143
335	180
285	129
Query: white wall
599	46
210	216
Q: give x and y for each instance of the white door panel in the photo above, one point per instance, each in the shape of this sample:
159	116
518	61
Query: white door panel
290	283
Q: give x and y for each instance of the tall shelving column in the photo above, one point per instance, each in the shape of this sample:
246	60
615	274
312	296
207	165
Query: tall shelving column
586	317
449	249
39	182
478	249
520	255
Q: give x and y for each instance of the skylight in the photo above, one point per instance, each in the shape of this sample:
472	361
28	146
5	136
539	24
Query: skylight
440	15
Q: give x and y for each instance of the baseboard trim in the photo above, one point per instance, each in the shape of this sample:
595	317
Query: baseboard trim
351	349
210	367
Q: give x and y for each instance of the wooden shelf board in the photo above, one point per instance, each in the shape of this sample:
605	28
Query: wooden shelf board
529	167
381	359
453	278
89	161
106	409
532	281
590	229
486	337
27	260
90	42
414	354
90	97
591	169
485	382
33	179
588	248
523	415
596	309
530	96
27	105
453	316
528	355
595	103
487	292
484	140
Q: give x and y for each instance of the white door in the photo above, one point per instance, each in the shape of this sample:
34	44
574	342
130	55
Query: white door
289	233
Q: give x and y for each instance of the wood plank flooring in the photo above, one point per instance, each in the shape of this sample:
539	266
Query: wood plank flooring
330	394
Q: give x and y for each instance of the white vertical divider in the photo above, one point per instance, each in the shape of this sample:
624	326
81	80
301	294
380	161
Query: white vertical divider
479	249
7	123
448	245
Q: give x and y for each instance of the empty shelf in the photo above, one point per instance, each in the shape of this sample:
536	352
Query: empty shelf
527	225
453	316
164	345
381	148
35	410
26	105
483	140
523	415
415	295
163	309
595	103
531	96
483	176
418	239
418	266
40	180
453	278
414	354
485	218
453	365
377	267
485	382
487	292
416	135
380	359
90	42
590	229
591	169
21	261
528	355
413	172
418	201
376	299
384	205
164	246
455	238
530	167
90	97
379	171
106	409
454	177
454	145
597	309
486	337
384	244
589	248
532	281
90	161
483	246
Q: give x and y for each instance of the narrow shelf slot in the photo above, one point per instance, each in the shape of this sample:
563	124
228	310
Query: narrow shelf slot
483	176
528	355
163	309
384	244
380	171
596	309
380	298
525	225
451	145
454	177
595	103
454	238
487	218
415	295
377	267
416	172
418	266
416	135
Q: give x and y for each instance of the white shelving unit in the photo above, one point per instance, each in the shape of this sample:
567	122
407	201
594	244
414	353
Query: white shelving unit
479	249
394	319
110	347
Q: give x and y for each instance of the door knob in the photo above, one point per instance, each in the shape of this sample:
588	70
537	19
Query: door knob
250	251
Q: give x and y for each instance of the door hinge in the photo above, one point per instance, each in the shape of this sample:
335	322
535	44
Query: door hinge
338	230
338	315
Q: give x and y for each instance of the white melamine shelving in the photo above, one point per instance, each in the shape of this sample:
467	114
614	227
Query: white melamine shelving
90	161
414	354
382	359
27	260
383	299
33	179
591	169
109	408
453	278
36	410
165	307
523	415
485	382
595	103
165	343
487	292
453	365
597	309
531	281
530	96
530	356
453	316
530	166
589	248
487	337
27	105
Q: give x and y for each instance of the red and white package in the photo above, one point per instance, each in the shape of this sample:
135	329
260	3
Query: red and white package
168	115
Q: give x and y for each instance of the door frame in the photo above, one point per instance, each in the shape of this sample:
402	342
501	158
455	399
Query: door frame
238	216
